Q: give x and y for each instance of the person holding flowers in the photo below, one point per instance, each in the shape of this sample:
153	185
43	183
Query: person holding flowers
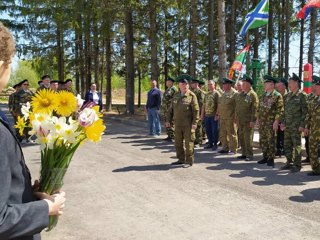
23	212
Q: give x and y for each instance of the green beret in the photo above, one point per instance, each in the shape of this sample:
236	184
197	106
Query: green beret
227	81
194	80
23	81
169	79
315	80
268	78
184	78
283	80
16	85
296	78
247	78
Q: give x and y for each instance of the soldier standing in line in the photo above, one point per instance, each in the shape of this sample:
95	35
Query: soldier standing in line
281	87
44	83
208	115
246	112
54	85
312	128
68	86
226	115
200	97
184	112
310	97
165	105
22	97
270	111
11	103
202	85
293	121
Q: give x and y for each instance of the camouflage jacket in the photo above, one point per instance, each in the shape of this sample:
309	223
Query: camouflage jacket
227	104
246	106
23	97
313	116
210	103
184	110
167	98
270	107
295	109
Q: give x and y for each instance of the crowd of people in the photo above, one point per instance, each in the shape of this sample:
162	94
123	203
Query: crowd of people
283	114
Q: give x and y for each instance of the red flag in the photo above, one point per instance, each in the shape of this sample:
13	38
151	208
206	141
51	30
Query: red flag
305	11
238	62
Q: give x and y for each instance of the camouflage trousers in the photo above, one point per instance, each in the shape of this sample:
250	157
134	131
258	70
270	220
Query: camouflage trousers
184	143
314	142
199	133
292	146
228	135
246	139
267	139
169	130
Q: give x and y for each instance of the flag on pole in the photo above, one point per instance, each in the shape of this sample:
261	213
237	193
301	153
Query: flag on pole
238	62
257	17
305	11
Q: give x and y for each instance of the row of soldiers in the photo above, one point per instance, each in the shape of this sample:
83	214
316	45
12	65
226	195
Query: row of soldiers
23	94
230	115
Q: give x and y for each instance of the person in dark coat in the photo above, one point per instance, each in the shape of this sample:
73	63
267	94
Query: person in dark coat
93	96
24	213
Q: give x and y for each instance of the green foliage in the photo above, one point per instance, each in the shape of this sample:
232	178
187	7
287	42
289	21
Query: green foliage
25	71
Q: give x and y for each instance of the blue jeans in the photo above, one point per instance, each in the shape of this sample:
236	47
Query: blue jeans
154	121
212	130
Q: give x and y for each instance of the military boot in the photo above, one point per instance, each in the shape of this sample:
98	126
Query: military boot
270	162
263	160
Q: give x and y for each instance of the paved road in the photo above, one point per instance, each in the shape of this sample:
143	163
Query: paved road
125	188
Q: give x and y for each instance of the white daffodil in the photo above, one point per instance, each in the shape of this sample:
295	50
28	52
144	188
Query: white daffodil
25	110
59	124
69	133
87	117
80	102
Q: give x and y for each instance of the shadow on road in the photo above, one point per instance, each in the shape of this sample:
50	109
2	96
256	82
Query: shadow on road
160	167
308	195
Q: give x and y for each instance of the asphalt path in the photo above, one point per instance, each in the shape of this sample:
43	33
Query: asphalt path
125	188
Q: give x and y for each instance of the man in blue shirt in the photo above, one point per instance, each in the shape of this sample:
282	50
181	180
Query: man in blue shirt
152	108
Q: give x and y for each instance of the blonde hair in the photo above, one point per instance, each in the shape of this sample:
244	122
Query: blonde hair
7	45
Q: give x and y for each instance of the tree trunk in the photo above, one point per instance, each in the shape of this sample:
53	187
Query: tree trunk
153	39
129	61
96	53
211	36
301	43
270	36
287	37
108	71
312	36
60	52
232	52
193	37
222	39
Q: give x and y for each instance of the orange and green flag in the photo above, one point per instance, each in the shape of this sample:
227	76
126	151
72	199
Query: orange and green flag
238	62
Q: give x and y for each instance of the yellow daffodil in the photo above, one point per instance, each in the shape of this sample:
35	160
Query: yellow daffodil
66	103
95	131
45	101
20	125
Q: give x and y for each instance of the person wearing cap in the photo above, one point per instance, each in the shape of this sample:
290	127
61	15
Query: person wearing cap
44	83
226	115
184	112
152	109
165	105
40	83
200	97
281	87
247	103
68	86
61	85
208	115
312	127
270	111
54	85
310	98
23	212
12	105
293	121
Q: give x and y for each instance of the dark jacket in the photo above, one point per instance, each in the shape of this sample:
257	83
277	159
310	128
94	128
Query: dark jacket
89	98
21	215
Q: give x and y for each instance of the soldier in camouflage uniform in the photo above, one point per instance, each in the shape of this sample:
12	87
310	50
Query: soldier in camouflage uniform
281	87
184	112
165	105
246	113
200	97
293	121
44	83
226	114
312	128
208	115
22	97
11	103
270	111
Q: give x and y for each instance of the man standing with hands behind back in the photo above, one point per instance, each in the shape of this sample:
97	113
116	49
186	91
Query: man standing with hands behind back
184	112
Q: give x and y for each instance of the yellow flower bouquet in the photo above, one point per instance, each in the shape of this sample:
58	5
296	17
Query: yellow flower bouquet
60	125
